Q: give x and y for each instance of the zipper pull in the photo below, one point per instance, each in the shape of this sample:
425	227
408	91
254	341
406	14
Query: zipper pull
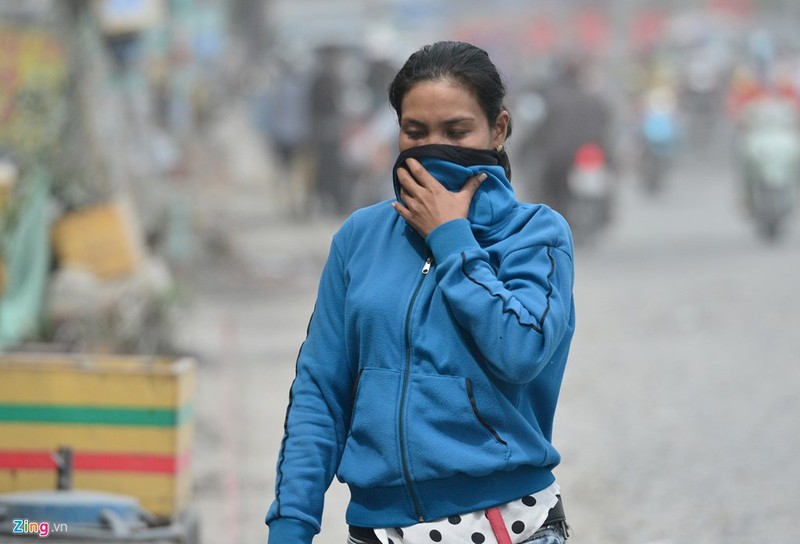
427	267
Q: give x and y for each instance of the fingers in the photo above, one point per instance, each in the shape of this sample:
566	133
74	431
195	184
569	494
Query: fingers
418	172
425	207
472	184
402	210
415	180
408	185
415	173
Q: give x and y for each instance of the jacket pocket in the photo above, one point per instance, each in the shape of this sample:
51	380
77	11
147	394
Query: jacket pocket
483	421
371	453
447	431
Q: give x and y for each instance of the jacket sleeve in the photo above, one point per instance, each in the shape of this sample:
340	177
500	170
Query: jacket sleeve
319	407
518	314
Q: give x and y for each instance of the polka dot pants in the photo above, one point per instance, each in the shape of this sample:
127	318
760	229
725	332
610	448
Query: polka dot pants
521	520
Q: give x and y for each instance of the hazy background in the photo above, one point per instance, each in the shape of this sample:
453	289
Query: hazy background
240	134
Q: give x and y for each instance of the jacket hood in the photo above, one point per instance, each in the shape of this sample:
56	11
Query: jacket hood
453	166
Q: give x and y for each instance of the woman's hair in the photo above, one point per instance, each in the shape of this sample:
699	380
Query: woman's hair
461	62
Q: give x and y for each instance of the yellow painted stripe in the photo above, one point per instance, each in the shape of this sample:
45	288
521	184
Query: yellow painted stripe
162	494
150	440
98	382
27	480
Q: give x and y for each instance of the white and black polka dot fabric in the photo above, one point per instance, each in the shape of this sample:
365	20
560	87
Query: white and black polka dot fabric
522	518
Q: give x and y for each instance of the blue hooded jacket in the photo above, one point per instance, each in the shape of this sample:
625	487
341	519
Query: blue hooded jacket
429	377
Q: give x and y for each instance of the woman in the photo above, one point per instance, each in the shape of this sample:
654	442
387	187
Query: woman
429	377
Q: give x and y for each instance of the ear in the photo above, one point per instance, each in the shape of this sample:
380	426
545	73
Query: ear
500	128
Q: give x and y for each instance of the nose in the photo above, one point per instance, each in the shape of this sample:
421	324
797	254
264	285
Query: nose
435	139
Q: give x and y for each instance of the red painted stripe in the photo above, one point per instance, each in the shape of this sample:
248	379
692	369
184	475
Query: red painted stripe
26	460
112	462
125	463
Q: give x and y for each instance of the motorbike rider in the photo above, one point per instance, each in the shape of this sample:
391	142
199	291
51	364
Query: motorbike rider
769	159
658	134
574	116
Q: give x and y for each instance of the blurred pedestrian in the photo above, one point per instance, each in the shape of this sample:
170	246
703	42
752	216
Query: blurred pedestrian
328	126
285	121
430	373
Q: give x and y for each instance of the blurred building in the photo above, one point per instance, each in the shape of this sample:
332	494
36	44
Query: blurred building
99	103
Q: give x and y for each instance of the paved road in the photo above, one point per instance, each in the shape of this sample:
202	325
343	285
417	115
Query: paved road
679	416
679	413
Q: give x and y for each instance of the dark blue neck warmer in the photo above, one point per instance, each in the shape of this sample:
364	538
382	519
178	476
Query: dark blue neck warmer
452	166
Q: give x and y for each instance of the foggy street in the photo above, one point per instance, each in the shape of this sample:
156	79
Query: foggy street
678	413
172	173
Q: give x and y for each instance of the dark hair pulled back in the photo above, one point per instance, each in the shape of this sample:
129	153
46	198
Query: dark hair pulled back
461	62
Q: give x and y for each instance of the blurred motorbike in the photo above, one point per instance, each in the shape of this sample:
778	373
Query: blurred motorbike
589	193
658	137
769	155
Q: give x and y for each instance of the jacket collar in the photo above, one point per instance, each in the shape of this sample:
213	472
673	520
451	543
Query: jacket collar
453	166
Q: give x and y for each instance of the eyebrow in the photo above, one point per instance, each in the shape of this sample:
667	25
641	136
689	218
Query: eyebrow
454	121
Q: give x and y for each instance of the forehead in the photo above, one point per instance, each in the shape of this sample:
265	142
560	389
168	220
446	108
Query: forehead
440	99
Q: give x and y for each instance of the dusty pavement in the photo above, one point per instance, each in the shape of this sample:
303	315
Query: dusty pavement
679	413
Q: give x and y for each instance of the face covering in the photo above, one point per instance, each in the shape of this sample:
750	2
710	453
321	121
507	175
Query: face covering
452	166
460	156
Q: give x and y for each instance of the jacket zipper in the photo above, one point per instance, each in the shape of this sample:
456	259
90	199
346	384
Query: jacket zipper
401	419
